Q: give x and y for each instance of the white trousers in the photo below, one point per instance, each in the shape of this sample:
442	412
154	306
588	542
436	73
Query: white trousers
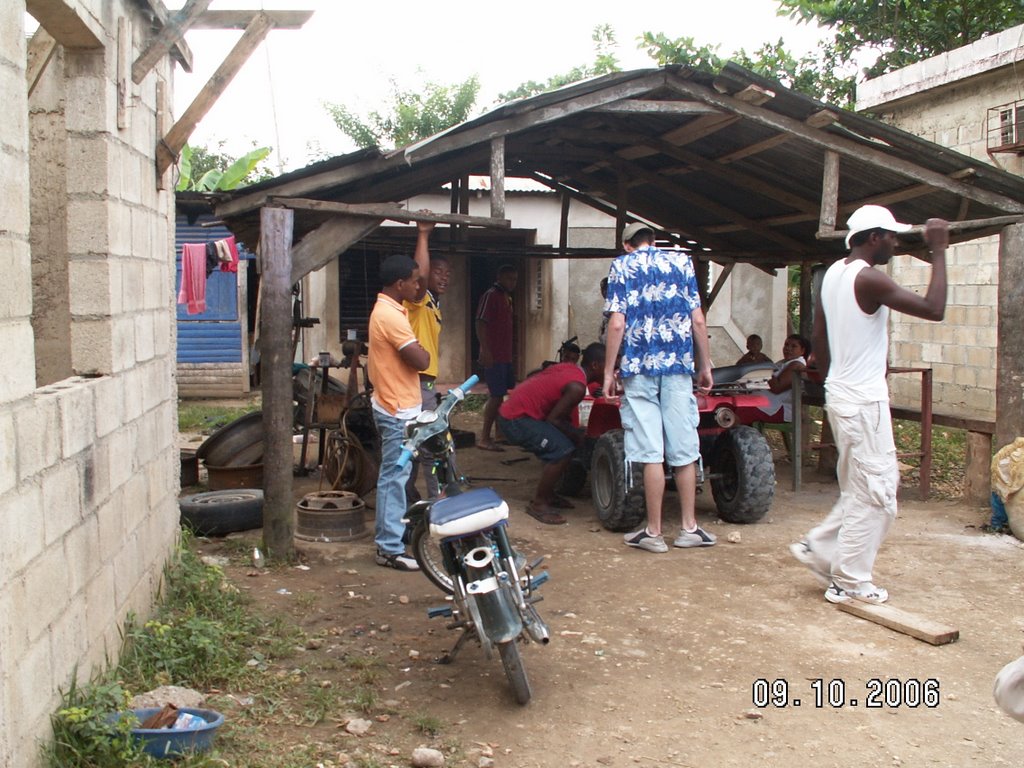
847	540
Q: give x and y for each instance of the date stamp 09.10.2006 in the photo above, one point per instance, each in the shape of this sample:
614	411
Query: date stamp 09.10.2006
819	693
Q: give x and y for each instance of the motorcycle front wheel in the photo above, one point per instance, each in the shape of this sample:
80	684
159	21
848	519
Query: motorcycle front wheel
428	555
515	672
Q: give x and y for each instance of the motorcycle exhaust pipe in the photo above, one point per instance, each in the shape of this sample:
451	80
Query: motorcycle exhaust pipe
538	631
478	557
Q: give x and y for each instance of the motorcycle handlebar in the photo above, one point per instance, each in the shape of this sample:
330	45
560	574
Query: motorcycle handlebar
404	458
468	384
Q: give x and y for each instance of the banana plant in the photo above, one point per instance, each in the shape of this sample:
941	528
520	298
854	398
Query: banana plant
216	179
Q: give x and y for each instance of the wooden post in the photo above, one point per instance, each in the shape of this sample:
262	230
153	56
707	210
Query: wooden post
498	177
977	475
829	192
1010	337
563	225
276	226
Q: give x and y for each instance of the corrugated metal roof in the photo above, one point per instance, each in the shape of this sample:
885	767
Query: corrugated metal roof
732	161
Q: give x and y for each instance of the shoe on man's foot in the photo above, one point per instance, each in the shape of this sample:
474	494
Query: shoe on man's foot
802	551
867	594
643	540
400	562
695	538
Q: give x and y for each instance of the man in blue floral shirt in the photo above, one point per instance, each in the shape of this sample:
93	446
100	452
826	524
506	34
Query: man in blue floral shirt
655	321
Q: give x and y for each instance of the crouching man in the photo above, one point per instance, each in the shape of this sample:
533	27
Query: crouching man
538	416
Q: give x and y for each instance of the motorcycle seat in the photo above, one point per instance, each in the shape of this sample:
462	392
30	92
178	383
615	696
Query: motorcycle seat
467	512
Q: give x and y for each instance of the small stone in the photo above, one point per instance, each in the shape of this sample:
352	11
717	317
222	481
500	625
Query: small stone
734	537
382	718
314	644
403	599
385	627
357	726
406	684
753	714
413	654
484	762
424	757
343	759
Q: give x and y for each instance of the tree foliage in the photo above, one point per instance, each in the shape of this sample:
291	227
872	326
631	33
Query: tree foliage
605	61
904	31
410	115
201	169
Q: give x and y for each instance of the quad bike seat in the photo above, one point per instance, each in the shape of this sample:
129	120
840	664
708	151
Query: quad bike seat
467	512
732	374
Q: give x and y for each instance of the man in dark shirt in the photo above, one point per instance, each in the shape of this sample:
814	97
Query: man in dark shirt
494	325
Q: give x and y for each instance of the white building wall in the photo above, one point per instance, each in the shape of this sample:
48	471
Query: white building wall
88	463
946	100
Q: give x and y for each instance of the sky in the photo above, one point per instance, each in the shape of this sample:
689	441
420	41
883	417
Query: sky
350	52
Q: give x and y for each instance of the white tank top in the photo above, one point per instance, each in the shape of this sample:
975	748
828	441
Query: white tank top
858	342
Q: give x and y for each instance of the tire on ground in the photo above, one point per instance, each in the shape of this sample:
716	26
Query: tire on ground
218	513
742	475
619	500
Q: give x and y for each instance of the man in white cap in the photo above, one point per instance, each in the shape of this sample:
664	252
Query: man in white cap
851	345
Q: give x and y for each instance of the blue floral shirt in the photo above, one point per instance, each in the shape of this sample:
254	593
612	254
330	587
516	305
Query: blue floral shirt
657	292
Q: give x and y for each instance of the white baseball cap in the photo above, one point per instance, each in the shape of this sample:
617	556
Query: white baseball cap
872	217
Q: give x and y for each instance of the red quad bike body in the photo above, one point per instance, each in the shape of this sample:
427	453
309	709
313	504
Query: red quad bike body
735	456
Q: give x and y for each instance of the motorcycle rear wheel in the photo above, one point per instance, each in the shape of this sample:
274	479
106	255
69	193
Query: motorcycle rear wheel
428	555
515	672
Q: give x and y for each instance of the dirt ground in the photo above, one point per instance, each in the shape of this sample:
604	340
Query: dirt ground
653	658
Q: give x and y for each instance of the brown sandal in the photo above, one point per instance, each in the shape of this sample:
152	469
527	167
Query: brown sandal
545	516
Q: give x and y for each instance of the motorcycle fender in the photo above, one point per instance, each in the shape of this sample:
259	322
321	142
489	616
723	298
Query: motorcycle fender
498	614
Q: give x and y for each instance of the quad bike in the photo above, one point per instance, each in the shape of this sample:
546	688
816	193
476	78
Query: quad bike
735	457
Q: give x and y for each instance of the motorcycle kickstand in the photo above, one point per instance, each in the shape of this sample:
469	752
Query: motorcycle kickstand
449	657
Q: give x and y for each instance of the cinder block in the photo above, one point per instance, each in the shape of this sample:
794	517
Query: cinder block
32	684
16	287
162	337
38	432
100	608
120	456
21	527
88	226
129	571
62	500
13	634
123	342
8	451
163	477
13	43
19	358
14	192
135	495
88	165
119	229
67	641
133	278
88	106
133	394
81	555
108	395
46	590
110	520
94	287
77	418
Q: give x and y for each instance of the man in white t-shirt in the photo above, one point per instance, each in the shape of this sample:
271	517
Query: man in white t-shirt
851	345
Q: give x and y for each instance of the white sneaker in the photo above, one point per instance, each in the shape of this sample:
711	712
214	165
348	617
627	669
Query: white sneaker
695	538
866	594
643	540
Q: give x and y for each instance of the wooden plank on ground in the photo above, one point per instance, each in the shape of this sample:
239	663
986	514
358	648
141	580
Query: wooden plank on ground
902	621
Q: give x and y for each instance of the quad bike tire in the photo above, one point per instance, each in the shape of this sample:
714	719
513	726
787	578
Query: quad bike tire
218	513
428	556
742	475
515	672
573	479
618	498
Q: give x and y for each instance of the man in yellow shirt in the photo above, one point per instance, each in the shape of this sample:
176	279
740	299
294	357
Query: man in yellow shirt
425	319
394	361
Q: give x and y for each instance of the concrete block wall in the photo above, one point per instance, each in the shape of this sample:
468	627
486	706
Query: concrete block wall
962	349
89	462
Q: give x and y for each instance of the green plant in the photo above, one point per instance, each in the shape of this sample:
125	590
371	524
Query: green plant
193	417
201	170
473	403
364	699
83	733
427	724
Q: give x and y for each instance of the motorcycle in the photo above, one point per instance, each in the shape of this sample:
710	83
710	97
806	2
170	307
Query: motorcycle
460	541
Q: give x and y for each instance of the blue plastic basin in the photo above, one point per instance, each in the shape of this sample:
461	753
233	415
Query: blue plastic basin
171	742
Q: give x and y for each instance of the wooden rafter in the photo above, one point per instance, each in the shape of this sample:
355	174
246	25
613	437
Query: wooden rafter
169	35
647	106
843	146
817	120
231	19
168	148
41	48
180	49
391	211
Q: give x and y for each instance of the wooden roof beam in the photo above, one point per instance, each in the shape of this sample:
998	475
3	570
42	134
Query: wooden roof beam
817	120
180	49
229	19
647	106
842	145
390	211
173	31
965	227
41	48
700	201
170	145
